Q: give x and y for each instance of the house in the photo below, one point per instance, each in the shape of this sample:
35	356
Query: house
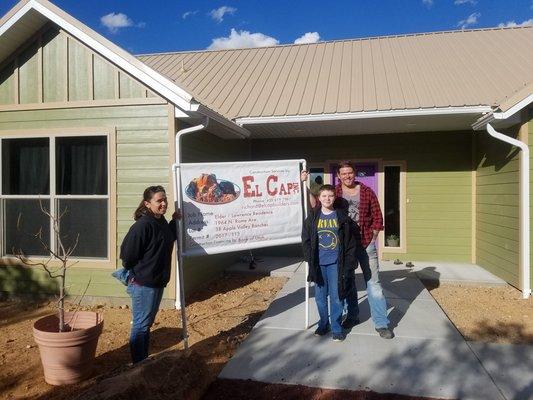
412	111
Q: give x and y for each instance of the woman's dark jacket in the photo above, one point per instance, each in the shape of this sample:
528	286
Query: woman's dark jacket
147	250
347	245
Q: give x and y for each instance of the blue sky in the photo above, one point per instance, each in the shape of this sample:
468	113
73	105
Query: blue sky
164	25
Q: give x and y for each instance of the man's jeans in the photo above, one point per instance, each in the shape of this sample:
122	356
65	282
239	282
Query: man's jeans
330	274
368	260
144	306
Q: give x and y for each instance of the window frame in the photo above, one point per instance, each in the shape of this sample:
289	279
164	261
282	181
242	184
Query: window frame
52	134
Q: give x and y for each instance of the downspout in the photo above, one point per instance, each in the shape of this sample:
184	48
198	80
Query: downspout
180	298
524	209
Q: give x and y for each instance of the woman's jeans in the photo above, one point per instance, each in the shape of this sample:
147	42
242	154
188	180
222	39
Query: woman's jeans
368	260
330	274
144	306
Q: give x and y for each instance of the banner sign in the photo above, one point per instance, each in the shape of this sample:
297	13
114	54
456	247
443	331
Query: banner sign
240	205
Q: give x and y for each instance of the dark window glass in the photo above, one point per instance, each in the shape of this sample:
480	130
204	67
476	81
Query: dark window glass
81	165
88	219
316	179
25	166
392	206
24	220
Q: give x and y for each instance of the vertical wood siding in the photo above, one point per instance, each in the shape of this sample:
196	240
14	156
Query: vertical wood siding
438	212
70	72
497	217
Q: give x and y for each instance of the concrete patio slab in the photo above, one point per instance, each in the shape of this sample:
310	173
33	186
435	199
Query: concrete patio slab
427	357
409	318
402	366
511	367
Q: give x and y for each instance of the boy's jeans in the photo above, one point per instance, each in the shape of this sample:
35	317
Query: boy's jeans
330	274
144	306
368	260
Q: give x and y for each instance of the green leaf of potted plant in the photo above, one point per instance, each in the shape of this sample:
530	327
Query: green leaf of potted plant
67	340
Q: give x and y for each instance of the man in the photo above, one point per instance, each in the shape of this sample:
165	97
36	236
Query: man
363	208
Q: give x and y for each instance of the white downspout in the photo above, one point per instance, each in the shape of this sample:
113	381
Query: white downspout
524	209
180	298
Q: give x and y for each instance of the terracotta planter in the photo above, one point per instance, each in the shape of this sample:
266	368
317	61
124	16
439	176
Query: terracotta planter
67	357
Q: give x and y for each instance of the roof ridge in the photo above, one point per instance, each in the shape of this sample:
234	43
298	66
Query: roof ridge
455	31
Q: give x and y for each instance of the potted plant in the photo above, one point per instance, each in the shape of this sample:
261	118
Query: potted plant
393	241
67	340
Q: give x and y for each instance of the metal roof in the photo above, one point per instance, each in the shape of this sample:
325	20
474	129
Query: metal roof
419	71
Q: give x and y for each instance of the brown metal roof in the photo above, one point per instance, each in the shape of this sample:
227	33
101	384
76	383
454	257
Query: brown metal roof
441	69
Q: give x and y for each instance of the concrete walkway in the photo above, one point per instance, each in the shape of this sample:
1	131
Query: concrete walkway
428	356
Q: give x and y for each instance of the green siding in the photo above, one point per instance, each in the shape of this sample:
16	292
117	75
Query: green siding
78	71
497	206
130	88
65	62
28	70
104	79
439	182
7	85
134	125
54	67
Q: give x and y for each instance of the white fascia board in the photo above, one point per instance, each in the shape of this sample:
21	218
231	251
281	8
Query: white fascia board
495	115
13	20
514	109
145	74
363	115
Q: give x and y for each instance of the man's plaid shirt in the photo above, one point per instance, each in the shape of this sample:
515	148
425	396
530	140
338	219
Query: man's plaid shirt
370	218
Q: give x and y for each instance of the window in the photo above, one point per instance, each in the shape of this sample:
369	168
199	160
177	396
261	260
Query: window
393	207
65	175
316	179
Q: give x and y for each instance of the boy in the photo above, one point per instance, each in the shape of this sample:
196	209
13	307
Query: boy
329	243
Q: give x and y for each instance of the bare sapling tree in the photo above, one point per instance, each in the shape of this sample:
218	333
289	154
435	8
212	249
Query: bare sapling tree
58	259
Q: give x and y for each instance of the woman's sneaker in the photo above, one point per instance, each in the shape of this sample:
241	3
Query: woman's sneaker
338	337
322	331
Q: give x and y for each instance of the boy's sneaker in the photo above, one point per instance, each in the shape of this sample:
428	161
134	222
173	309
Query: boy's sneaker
338	337
322	331
349	323
385	333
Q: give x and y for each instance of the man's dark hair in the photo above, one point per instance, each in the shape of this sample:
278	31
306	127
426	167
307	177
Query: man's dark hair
345	164
323	188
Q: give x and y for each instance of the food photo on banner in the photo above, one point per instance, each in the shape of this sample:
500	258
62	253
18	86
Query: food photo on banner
240	205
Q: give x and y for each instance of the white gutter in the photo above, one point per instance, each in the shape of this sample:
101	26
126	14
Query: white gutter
363	115
479	124
235	128
524	207
180	299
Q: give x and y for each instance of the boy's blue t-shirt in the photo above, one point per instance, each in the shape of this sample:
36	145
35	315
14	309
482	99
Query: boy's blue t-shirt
328	238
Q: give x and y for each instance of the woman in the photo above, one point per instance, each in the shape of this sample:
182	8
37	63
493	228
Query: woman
146	253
